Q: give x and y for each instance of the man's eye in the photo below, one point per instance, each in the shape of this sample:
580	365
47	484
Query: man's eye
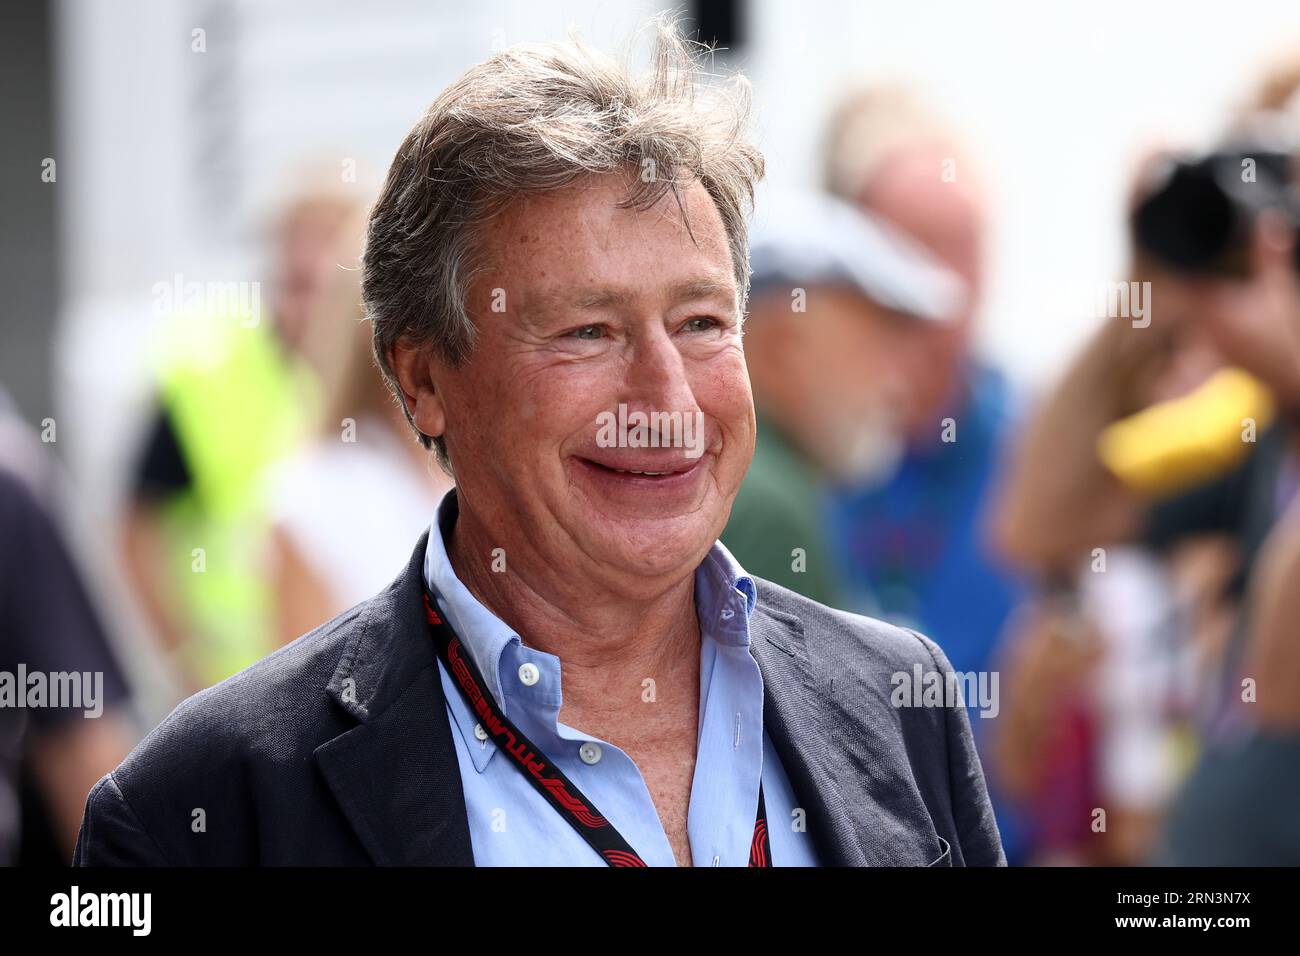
587	332
700	323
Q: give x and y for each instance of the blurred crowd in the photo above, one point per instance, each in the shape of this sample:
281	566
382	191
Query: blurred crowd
1122	550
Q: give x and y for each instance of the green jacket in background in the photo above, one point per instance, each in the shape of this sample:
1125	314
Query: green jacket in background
776	521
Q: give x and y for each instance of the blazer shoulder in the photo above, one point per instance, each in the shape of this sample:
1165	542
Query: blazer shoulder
276	708
923	751
830	632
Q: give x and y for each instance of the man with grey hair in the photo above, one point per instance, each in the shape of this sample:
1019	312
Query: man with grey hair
560	245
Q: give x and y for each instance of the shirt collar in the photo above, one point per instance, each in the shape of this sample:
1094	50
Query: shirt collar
482	633
725	596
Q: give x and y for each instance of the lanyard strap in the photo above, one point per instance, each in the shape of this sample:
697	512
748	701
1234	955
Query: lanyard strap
547	779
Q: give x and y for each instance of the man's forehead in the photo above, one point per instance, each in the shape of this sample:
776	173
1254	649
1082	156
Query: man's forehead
595	295
595	221
582	247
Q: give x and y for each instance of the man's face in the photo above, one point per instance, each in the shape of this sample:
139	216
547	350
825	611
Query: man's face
583	306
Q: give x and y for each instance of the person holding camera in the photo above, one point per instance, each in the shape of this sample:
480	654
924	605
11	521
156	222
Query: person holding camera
1216	236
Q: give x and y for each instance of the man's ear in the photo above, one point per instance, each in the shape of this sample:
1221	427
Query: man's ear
415	369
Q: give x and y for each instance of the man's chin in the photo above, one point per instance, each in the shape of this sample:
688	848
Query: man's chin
654	547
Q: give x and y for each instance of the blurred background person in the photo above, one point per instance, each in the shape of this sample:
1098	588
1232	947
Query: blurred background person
1103	666
361	489
1238	806
829	290
50	751
233	393
1219	245
911	538
1063	500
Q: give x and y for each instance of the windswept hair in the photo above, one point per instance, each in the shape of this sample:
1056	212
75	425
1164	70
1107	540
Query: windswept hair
535	118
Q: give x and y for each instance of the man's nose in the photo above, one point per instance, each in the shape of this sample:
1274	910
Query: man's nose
657	377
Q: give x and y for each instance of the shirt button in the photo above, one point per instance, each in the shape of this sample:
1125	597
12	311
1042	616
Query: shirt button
728	614
479	732
589	752
529	674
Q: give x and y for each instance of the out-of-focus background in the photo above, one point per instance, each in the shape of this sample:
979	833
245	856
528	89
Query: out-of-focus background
176	169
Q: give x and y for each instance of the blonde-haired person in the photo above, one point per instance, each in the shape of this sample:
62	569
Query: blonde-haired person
231	395
362	488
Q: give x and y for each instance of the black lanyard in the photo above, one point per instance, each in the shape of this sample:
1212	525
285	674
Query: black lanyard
547	779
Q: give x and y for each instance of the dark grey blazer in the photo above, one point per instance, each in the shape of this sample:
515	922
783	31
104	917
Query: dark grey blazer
336	750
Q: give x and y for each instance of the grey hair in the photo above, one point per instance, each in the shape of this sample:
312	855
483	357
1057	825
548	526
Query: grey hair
534	118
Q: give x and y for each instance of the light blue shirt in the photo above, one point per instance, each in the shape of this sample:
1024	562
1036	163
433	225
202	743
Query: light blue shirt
512	825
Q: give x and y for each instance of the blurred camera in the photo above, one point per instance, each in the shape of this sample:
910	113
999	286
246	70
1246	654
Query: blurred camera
1199	213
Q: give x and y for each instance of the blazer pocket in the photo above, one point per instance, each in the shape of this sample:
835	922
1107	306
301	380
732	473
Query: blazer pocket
945	858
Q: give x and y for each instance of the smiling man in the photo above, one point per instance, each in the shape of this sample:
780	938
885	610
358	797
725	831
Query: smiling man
571	670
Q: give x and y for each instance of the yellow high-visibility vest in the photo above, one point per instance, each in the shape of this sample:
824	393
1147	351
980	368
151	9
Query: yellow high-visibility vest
236	405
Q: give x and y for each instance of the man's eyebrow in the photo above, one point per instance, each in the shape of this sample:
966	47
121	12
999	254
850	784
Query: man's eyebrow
613	297
703	288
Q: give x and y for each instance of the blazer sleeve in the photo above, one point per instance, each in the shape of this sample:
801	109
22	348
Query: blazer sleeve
972	810
111	834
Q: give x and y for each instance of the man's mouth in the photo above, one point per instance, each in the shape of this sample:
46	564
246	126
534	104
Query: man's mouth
646	470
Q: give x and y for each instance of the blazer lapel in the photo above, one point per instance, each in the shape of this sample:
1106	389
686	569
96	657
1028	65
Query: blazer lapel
795	715
395	774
